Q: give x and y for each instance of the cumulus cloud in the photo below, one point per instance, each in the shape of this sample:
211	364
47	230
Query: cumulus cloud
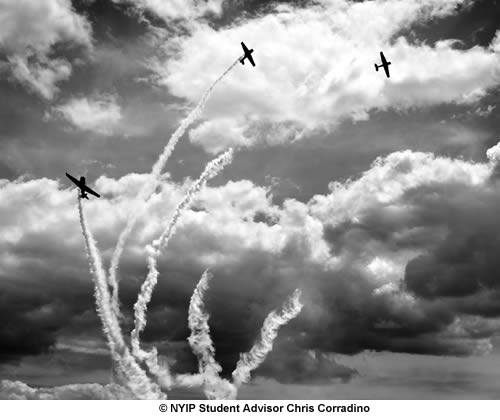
373	258
100	114
217	135
30	31
315	69
493	153
389	179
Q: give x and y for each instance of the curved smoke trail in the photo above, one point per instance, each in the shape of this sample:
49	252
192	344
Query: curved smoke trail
201	343
257	354
153	251
200	340
150	186
129	371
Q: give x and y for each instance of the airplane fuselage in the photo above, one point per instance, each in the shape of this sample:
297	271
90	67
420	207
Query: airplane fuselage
82	186
242	61
385	64
247	55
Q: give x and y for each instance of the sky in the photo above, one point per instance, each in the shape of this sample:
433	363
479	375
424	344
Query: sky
377	198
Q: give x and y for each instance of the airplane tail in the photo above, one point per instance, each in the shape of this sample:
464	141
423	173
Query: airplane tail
242	61
376	67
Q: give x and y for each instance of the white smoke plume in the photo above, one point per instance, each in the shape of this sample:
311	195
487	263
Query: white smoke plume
111	329
212	169
257	354
201	343
150	185
200	340
127	368
130	364
153	251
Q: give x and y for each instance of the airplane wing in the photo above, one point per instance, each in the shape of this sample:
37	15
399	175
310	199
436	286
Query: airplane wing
386	68
385	64
245	49
73	179
90	191
251	59
382	57
82	187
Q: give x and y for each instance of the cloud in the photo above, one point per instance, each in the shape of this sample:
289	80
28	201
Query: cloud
30	31
16	390
100	113
292	364
384	262
176	9
41	77
217	135
39	25
389	179
315	69
493	153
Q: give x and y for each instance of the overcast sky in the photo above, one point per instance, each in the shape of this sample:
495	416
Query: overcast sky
377	197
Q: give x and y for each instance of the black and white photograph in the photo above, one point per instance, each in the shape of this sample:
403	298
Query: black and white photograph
249	200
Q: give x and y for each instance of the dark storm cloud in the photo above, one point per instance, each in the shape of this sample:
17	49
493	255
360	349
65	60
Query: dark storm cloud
455	276
237	308
288	363
466	262
44	283
343	313
20	335
340	315
35	310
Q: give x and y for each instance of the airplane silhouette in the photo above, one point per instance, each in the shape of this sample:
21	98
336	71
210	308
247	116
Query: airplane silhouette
83	188
385	64
248	54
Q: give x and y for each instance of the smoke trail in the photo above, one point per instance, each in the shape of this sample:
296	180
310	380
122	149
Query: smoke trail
200	341
111	329
151	184
257	354
153	250
128	370
212	169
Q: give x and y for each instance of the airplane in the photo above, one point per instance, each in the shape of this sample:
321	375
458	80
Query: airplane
248	54
385	64
83	188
